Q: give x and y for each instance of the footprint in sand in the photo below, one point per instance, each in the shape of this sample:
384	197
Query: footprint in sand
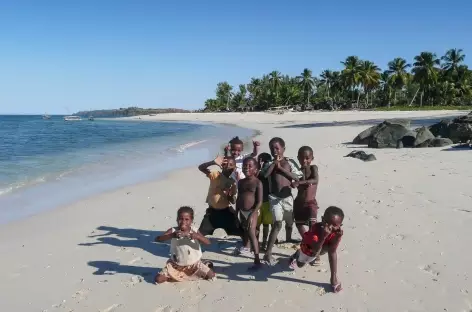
81	294
135	279
430	270
112	308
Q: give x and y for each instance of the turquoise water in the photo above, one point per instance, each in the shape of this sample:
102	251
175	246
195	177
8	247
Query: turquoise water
46	163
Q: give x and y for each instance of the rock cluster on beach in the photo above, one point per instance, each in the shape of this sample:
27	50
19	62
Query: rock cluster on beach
398	133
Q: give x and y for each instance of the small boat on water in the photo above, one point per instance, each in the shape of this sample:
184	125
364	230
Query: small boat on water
72	118
46	117
91	118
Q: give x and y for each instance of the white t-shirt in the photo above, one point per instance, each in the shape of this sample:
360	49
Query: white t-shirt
185	251
239	166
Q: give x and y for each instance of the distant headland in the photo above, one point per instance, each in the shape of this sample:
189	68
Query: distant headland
127	112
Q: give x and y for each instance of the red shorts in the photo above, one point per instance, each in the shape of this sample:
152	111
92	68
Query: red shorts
305	212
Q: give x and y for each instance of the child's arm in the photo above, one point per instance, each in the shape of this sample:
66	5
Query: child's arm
268	172
255	149
313	178
333	264
231	194
204	167
294	174
169	234
199	237
259	195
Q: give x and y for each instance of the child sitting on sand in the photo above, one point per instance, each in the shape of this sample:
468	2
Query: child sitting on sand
235	148
185	263
248	205
281	172
265	216
323	237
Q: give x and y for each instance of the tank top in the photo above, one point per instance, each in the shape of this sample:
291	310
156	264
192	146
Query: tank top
185	251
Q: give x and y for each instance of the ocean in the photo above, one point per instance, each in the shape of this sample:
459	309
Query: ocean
48	163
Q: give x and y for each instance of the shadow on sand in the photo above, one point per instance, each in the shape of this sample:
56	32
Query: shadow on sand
135	238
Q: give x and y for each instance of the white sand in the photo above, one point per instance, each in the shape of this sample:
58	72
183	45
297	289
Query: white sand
406	245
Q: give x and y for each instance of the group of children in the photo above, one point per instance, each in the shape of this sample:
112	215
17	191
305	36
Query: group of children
249	192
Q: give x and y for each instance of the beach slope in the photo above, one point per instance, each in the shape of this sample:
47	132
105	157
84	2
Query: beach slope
404	248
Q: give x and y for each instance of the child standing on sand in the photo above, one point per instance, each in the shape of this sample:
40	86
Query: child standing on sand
221	196
235	148
248	206
185	263
305	206
265	216
323	237
281	172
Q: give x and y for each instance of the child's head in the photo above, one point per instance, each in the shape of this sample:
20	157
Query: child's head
263	158
228	166
333	216
277	147
250	167
237	146
305	156
184	218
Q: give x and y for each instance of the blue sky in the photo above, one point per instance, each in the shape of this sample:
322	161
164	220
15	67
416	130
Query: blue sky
64	56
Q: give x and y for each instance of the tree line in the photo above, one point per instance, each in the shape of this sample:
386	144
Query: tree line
428	81
127	112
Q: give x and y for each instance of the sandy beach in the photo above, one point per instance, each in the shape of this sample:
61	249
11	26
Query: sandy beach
404	248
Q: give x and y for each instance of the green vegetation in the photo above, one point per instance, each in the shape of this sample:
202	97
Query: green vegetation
428	81
127	112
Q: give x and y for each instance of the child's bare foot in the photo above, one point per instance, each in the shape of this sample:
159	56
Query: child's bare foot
336	288
271	261
316	262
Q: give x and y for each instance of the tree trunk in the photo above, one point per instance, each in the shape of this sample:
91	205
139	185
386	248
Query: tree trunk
358	98
421	98
395	95
414	97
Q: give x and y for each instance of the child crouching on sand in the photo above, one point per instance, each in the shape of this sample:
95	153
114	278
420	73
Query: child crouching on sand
323	237
185	263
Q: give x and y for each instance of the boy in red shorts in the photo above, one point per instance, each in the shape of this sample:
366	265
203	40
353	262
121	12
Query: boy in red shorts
323	237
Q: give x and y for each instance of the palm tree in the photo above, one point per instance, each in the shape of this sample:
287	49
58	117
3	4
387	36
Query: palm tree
351	73
452	60
425	70
223	93
386	86
327	79
369	78
307	84
397	70
240	99
275	80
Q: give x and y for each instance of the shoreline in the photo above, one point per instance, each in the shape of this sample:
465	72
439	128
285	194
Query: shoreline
97	254
92	179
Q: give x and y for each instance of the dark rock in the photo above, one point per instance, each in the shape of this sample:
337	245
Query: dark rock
459	129
441	129
440	142
388	135
399	144
423	135
402	122
460	132
364	136
424	144
409	138
361	155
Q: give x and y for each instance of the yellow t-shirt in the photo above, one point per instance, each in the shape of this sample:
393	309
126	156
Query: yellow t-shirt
218	183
